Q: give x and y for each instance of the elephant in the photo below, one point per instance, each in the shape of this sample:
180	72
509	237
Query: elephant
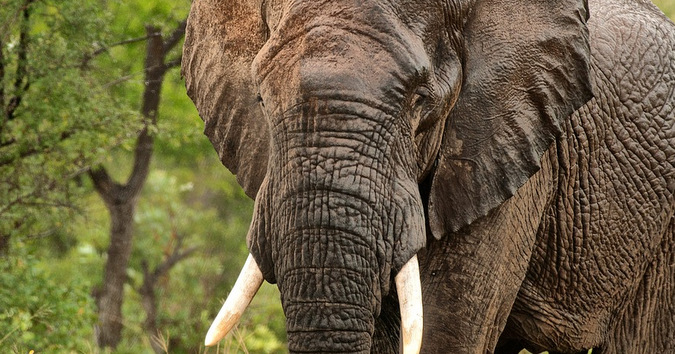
448	176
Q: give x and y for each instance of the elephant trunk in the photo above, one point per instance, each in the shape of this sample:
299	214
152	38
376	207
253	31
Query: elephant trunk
338	215
327	310
328	260
340	218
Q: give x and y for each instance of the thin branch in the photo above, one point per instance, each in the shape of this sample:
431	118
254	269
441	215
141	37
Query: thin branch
150	278
177	254
24	199
172	261
55	203
173	63
124	42
129	76
40	235
21	81
175	36
2	77
88	57
119	81
141	168
17	200
7	143
147	289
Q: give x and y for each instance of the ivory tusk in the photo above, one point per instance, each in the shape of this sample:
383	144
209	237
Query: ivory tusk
409	291
247	285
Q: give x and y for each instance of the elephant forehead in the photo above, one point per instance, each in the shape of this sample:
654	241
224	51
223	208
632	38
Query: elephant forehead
334	61
341	51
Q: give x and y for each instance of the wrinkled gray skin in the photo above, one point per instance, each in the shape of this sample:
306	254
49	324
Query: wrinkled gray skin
525	154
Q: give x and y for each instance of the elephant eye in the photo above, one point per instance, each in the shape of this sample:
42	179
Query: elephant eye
420	97
421	107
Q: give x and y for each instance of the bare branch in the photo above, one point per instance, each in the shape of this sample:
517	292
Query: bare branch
119	81
40	235
106	187
26	199
177	255
21	81
150	278
172	261
173	63
7	143
175	36
2	77
89	56
141	168
17	201
147	289
124	42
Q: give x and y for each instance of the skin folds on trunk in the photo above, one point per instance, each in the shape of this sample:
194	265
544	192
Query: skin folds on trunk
334	222
327	309
409	291
324	265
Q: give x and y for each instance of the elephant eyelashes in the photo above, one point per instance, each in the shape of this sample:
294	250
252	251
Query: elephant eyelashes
420	97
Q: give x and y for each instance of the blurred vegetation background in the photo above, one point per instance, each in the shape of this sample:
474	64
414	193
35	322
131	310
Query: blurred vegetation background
120	231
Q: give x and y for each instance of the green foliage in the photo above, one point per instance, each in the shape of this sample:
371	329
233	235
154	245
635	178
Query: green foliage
39	313
166	214
202	203
65	119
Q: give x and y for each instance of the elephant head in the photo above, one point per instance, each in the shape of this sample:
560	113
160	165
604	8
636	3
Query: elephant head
332	113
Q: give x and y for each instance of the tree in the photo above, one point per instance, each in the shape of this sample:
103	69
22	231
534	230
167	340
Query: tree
121	199
56	119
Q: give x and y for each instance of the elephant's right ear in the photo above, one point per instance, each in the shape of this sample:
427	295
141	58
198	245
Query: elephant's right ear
222	39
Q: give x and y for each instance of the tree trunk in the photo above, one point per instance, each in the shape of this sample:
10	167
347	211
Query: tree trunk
109	299
121	201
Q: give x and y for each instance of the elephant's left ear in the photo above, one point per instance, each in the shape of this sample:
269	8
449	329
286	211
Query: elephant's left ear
526	70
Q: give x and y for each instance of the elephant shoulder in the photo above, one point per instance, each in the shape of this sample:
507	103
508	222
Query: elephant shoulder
633	73
633	57
632	41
